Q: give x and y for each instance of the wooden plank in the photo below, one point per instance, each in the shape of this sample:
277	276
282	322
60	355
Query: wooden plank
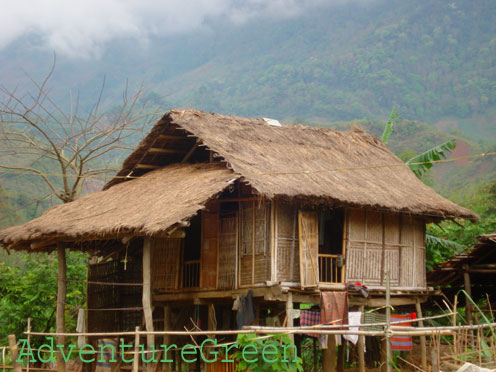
158	150
147	166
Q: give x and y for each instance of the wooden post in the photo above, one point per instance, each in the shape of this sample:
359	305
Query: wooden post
329	355
315	355
468	289
136	356
147	295
167	338
434	359
423	346
341	349
289	313
15	353
361	346
61	297
453	323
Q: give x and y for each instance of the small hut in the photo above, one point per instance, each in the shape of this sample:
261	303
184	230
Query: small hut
474	271
208	207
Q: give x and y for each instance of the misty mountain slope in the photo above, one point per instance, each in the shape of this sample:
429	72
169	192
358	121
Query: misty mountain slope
433	60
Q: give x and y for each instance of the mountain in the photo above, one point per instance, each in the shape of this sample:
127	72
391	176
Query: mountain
435	60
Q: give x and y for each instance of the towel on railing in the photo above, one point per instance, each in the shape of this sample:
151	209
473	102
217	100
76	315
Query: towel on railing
402	342
334	308
372	318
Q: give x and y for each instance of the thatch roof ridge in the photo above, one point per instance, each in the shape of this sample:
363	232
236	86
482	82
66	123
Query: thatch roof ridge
139	206
351	168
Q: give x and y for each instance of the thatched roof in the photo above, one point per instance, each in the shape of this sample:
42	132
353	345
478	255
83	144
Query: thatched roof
157	188
342	168
148	205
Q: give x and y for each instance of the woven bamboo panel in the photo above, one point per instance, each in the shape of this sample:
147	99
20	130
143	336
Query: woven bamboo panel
166	254
245	270
396	245
356	228
308	223
420	277
392	228
108	297
356	262
288	256
374	227
227	251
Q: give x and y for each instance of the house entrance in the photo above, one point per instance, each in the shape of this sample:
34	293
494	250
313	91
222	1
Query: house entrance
331	260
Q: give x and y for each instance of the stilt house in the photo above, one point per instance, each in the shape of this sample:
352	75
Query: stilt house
209	206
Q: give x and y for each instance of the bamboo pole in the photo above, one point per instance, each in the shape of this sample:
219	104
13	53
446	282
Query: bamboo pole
423	346
136	350
361	348
14	352
61	298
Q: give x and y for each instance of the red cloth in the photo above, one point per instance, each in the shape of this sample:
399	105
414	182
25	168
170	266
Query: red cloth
334	308
402	342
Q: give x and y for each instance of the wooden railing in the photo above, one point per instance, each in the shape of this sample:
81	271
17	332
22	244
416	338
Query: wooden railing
329	271
191	274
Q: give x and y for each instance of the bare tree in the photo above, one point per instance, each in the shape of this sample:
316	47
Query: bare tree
36	133
77	142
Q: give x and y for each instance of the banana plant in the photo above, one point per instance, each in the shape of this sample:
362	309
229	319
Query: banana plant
419	164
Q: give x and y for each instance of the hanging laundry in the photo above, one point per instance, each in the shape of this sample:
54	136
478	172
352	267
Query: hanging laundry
296	314
372	318
334	308
354	317
246	312
402	342
309	318
312	318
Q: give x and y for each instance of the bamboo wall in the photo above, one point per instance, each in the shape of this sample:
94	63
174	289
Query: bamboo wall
166	258
255	243
378	242
109	304
210	241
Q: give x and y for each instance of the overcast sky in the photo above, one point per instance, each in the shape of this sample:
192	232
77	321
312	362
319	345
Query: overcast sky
82	28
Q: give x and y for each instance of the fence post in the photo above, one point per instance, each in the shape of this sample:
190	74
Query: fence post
14	352
136	351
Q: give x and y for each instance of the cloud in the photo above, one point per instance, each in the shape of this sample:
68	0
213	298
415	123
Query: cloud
82	28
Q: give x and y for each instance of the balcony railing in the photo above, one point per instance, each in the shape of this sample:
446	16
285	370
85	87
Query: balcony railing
191	274
329	270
